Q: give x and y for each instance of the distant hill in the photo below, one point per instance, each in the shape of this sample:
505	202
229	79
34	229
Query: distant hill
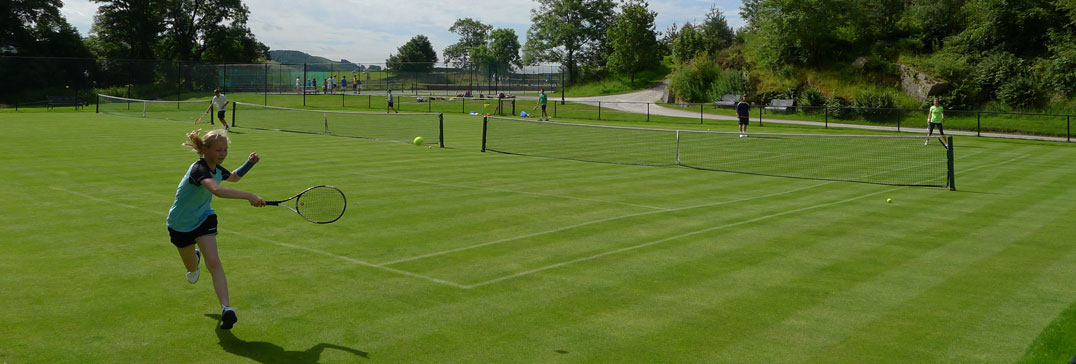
315	63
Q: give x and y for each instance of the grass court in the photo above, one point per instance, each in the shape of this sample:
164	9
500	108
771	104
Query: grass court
449	255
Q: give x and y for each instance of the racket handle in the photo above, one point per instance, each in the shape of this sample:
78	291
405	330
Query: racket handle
272	203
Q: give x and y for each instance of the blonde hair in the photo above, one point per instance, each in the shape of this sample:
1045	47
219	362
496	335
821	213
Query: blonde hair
198	142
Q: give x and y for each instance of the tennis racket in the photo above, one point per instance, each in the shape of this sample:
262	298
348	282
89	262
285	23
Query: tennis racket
318	204
199	119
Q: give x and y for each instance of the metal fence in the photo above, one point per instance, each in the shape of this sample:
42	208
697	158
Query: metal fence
44	81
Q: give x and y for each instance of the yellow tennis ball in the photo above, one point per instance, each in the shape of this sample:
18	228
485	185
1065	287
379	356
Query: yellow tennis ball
418	141
889	200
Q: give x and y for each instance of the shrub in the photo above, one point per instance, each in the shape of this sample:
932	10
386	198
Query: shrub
811	96
1021	92
870	104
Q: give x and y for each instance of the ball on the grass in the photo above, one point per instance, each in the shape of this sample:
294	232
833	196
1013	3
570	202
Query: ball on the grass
889	200
418	141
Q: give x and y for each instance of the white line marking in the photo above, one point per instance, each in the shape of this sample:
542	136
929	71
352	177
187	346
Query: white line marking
630	248
469	247
279	243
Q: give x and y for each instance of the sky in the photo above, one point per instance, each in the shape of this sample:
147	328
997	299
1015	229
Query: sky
368	31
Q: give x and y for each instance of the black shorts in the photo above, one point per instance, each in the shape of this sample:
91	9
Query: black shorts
220	114
183	239
543	108
939	126
744	121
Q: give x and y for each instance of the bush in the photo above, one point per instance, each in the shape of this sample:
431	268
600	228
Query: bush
1021	92
812	99
703	80
871	103
728	82
1060	70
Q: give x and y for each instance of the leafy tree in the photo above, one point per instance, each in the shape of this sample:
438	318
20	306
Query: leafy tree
568	31
472	34
129	28
633	39
210	30
36	28
716	32
688	43
183	30
796	31
1017	26
417	55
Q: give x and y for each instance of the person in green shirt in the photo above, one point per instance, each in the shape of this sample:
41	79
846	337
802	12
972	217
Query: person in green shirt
934	119
542	102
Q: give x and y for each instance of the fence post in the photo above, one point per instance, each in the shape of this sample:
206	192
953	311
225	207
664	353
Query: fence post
648	112
463	109
978	124
265	85
1068	128
701	113
827	119
900	115
599	110
760	111
342	99
305	80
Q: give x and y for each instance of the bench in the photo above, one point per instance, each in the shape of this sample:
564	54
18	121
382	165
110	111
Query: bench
727	100
781	105
54	101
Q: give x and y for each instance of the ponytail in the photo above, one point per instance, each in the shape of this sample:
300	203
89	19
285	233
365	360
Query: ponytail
197	142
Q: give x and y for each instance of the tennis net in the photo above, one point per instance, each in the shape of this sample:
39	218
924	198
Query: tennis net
878	159
156	109
398	127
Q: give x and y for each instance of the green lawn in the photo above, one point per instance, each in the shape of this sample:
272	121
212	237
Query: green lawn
449	255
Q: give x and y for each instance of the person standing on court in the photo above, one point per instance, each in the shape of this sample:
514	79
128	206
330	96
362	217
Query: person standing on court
219	103
542	99
743	111
390	100
934	120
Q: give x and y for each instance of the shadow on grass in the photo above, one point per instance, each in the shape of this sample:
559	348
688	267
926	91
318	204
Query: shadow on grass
264	352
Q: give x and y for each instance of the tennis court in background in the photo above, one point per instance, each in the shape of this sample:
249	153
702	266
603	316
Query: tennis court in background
454	255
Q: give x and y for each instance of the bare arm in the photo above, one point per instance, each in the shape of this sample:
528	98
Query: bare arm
225	192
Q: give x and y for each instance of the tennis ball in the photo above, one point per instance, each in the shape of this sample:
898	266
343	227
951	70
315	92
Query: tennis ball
889	200
418	141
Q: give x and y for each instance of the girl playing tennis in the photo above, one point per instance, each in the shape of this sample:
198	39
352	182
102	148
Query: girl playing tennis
192	221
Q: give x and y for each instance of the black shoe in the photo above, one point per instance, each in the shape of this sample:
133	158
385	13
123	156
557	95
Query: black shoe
227	318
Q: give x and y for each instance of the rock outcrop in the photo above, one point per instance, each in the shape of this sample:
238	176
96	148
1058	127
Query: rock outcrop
919	85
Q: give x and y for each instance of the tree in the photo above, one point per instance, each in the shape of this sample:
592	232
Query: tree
688	44
566	30
633	39
795	31
209	30
129	28
182	30
716	32
417	55
36	28
472	34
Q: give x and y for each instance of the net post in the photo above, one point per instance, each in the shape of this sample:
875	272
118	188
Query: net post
97	109
949	156
233	112
484	122
441	129
678	147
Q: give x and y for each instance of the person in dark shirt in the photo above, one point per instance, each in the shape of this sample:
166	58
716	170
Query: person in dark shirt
743	111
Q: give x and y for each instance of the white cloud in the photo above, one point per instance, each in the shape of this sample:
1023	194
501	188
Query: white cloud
367	31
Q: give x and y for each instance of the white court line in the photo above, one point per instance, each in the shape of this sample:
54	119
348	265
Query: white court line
512	191
279	243
634	247
469	247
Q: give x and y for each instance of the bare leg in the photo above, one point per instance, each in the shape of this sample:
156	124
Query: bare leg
190	261
208	245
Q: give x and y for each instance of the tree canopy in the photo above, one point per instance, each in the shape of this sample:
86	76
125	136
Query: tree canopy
633	39
417	55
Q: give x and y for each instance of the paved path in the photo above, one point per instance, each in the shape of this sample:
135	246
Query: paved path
636	102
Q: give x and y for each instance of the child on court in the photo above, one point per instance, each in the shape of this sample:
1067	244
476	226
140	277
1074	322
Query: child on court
191	220
390	99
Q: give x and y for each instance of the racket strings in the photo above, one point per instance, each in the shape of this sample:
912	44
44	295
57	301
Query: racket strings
323	204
